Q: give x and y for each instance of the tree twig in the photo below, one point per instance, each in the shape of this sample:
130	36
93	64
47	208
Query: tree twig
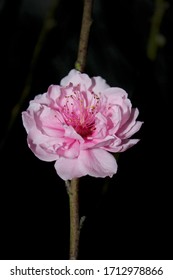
84	35
73	192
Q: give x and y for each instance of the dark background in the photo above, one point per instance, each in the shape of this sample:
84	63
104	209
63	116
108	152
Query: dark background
129	216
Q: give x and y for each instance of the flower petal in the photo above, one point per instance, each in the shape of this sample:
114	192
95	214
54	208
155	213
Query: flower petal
99	163
75	77
118	97
50	122
98	85
70	132
101	126
28	121
128	143
95	162
119	145
69	150
131	126
41	151
68	168
41	99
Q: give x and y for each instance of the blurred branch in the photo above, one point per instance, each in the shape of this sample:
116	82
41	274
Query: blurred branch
156	40
48	24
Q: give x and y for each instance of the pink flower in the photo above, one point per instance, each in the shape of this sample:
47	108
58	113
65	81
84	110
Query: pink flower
78	124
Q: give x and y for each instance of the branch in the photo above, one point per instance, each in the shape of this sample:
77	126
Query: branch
73	191
84	36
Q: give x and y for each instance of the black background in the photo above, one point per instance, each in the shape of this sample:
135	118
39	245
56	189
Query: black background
129	216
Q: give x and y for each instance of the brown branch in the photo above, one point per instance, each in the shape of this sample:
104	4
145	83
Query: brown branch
73	191
84	36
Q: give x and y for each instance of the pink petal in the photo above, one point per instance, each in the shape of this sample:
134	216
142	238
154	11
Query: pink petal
97	143
95	162
50	122
101	126
131	126
128	143
99	163
114	118
43	146
41	99
68	168
75	77
117	97
41	152
98	85
114	146
28	121
120	145
115	94
70	132
70	150
53	93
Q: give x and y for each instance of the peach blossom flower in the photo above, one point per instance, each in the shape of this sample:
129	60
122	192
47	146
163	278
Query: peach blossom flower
79	123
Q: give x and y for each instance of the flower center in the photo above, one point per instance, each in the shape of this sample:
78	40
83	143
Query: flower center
79	111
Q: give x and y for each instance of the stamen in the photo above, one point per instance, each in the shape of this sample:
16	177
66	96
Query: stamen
81	112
